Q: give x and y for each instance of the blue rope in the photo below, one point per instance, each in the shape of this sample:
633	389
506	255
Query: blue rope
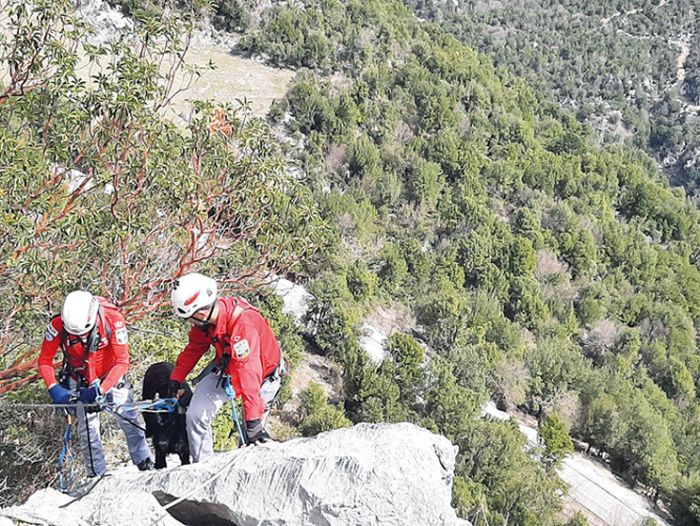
234	413
165	405
62	457
162	405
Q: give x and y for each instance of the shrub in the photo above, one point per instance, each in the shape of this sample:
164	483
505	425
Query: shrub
316	414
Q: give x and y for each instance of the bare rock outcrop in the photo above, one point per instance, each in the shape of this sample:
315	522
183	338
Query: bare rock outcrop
369	474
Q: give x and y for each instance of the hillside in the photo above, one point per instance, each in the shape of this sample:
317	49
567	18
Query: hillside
629	69
542	268
537	264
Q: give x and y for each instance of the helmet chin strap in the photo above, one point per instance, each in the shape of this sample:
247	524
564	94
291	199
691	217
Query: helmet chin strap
91	339
204	324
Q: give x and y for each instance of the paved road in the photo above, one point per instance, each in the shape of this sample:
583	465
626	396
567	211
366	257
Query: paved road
592	486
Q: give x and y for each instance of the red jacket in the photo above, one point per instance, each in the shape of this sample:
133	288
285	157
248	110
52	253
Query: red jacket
242	332
109	363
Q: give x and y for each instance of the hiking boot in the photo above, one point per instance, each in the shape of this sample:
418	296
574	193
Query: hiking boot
146	465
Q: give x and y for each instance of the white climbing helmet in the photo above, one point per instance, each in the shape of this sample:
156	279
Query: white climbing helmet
79	313
192	292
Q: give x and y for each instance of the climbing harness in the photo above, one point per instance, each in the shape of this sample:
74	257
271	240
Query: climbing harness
211	366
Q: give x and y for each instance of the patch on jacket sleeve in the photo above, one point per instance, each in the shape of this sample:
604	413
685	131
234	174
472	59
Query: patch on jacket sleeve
242	349
50	333
122	336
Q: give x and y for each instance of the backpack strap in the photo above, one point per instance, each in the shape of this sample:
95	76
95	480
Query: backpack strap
108	329
63	335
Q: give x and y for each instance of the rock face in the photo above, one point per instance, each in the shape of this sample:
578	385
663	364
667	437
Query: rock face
369	474
107	21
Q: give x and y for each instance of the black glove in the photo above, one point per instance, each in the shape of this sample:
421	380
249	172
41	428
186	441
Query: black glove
256	432
173	387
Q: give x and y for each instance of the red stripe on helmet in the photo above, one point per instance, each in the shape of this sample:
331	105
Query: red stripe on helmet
191	299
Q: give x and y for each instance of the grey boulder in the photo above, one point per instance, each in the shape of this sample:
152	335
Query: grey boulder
369	474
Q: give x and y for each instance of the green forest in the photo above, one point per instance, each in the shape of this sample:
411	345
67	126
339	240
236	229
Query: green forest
545	269
616	65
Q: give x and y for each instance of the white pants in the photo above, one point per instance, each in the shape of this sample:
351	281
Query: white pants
206	402
89	430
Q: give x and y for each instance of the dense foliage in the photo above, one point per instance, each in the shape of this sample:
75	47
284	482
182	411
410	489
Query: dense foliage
629	68
555	274
98	191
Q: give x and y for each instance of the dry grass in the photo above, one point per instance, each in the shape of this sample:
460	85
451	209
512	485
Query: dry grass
548	264
392	318
336	157
315	369
234	78
554	277
601	338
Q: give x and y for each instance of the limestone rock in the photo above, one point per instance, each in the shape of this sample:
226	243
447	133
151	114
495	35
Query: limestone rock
369	474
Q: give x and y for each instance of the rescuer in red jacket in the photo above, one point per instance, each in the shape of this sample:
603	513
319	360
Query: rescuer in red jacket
92	335
247	353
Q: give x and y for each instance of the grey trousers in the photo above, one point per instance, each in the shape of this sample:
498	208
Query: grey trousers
206	402
89	428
